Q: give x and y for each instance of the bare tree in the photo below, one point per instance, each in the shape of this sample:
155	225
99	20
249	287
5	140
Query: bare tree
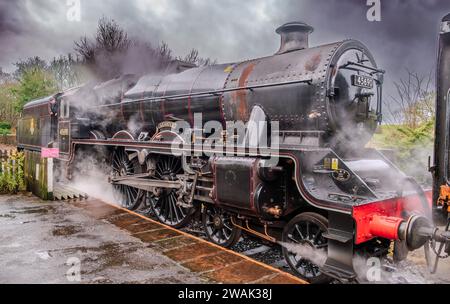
5	77
64	70
194	58
32	63
111	37
164	52
112	53
85	49
413	102
102	53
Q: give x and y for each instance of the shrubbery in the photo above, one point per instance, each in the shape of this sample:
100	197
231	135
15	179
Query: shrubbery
12	179
5	128
413	146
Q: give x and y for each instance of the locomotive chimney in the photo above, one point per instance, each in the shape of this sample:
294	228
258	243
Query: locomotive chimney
294	36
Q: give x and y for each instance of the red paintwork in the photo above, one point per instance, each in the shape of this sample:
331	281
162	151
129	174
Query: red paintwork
385	227
380	219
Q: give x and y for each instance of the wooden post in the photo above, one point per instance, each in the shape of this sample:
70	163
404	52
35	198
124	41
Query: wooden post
39	175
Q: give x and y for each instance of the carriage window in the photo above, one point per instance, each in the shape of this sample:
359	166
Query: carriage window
64	109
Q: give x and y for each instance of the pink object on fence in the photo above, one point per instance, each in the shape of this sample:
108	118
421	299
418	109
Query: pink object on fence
50	153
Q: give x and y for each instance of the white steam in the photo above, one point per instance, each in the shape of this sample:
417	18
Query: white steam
91	177
316	256
368	270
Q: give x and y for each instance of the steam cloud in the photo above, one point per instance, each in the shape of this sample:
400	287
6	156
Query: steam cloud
383	272
91	177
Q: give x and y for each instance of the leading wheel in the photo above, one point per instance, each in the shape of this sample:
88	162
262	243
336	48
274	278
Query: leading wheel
304	246
219	228
164	202
129	197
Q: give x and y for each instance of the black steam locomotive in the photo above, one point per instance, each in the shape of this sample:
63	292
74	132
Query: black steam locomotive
304	178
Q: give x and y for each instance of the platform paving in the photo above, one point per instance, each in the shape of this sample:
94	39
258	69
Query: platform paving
42	242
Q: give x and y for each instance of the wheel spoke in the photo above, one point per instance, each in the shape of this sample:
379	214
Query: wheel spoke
166	208
215	231
227	226
117	165
294	240
170	215
176	210
227	236
316	237
299	232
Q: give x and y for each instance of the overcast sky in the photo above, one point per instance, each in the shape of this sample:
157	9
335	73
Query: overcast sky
228	30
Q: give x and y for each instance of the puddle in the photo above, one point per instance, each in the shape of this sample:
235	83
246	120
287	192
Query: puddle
43	255
101	280
86	236
27	222
114	255
34	210
66	230
7	216
105	256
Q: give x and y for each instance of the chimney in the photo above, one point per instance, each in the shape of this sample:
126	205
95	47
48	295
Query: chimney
294	36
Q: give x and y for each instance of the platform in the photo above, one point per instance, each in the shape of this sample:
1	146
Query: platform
38	240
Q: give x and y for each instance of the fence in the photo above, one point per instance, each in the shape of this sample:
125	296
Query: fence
4	154
26	171
9	140
9	164
39	175
11	171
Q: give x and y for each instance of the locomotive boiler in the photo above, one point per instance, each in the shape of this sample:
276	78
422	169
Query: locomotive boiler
311	182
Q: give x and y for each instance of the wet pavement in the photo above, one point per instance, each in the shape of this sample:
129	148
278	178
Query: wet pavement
92	242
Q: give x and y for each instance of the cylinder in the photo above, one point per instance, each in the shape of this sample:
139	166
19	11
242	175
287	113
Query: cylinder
385	227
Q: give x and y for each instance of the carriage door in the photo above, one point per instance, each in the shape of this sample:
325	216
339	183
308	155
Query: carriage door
64	127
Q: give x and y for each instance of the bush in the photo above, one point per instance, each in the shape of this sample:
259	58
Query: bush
413	146
5	125
34	83
4	132
12	179
5	128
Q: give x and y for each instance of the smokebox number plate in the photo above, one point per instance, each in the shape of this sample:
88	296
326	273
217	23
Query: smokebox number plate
362	81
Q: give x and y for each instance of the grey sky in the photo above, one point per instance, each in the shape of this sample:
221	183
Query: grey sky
228	30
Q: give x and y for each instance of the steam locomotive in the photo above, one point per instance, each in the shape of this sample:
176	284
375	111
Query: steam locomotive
305	177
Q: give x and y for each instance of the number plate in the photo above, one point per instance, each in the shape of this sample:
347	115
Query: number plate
362	81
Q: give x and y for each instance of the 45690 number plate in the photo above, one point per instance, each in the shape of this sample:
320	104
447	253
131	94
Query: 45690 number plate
362	81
